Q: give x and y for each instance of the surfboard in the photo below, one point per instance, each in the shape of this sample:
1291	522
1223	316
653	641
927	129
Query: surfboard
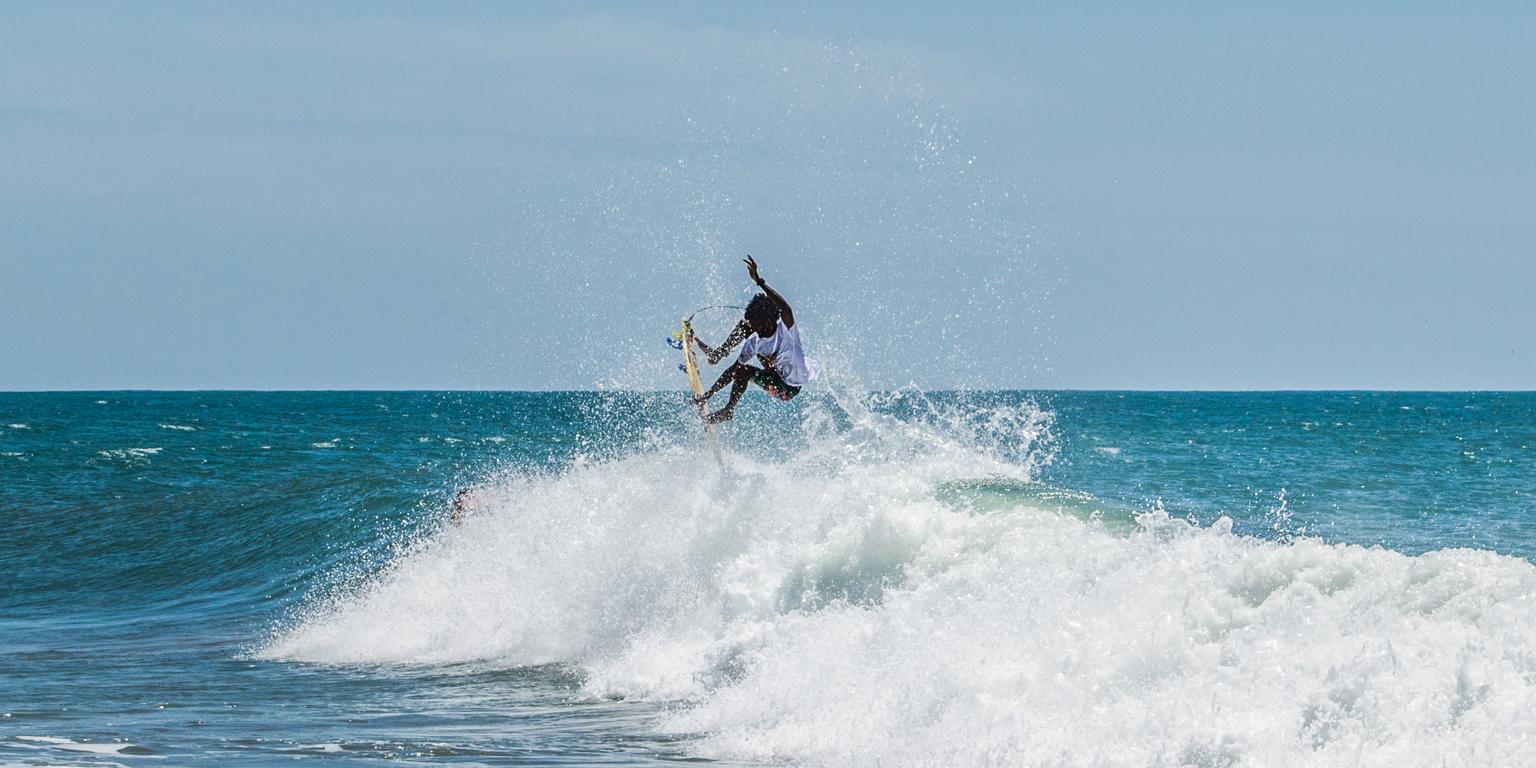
695	383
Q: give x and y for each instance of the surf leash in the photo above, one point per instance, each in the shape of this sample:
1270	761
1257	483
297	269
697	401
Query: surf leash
714	306
676	340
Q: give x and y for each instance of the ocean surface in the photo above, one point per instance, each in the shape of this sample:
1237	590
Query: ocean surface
893	579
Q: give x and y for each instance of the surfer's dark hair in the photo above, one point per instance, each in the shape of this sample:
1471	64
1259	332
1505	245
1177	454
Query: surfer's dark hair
762	310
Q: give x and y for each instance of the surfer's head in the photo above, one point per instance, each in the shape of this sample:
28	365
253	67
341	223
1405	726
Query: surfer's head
762	315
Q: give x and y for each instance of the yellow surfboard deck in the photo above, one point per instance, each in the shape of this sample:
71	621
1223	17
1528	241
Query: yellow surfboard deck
691	365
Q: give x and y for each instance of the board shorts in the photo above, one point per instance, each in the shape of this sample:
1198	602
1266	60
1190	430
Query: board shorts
769	380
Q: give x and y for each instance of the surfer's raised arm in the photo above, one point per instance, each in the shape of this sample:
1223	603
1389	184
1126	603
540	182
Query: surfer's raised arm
785	313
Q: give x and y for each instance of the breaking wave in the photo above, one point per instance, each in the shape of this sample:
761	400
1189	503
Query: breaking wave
903	592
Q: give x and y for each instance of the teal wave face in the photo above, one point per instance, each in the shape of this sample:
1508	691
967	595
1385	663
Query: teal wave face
988	495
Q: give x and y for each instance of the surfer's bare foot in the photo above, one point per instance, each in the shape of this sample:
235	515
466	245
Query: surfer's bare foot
718	416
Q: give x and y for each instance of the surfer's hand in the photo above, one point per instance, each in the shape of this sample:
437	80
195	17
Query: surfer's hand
752	269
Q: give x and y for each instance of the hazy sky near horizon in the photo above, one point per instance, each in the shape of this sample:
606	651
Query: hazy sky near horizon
528	195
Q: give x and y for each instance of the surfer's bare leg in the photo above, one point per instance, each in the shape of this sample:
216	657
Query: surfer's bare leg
739	376
727	376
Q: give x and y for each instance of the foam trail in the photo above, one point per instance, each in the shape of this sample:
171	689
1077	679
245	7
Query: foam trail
893	594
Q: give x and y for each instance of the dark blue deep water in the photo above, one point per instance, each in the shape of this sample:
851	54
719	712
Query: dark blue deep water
169	561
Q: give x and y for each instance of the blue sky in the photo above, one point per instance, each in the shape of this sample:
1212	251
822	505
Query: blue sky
527	196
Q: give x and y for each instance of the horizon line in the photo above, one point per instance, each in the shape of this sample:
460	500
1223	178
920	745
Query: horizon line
944	390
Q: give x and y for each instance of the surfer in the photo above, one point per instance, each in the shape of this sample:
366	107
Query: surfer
767	332
463	502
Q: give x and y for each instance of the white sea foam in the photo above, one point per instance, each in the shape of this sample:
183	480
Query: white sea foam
115	748
129	455
19	426
326	747
892	597
179	427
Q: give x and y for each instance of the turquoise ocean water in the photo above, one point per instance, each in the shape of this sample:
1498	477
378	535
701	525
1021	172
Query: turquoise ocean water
1002	578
